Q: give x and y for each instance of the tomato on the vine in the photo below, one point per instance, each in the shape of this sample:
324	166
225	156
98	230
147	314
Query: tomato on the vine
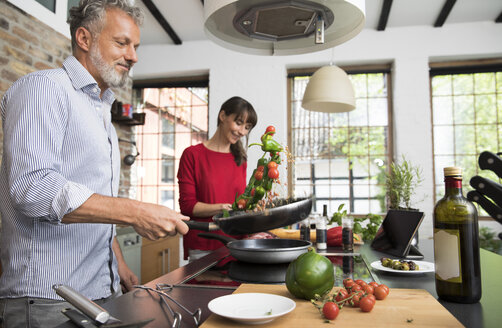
330	310
253	191
361	282
260	168
271	129
342	295
347	281
356	298
366	304
272	165
385	287
241	203
380	293
368	289
258	175
356	288
273	174
373	284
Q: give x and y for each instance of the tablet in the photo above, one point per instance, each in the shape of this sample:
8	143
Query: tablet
396	233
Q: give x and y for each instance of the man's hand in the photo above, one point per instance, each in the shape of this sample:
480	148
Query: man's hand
157	221
127	277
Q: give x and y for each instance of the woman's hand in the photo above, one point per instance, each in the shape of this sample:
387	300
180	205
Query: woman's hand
203	210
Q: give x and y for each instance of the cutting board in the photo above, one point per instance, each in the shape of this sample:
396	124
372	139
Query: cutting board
400	306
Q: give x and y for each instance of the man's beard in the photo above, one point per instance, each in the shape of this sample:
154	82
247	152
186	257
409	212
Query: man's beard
107	72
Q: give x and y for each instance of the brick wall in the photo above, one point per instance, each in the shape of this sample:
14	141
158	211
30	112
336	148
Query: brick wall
28	45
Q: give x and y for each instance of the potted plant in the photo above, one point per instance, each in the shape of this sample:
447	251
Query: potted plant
401	181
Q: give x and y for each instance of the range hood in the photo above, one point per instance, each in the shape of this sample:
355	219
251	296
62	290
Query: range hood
282	27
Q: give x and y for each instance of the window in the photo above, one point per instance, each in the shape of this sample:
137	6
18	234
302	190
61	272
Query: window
49	4
176	118
466	120
341	158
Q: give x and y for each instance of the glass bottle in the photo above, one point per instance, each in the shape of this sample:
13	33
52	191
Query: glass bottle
321	232
456	243
305	229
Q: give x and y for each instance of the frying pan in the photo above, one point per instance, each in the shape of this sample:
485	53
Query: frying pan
262	250
284	213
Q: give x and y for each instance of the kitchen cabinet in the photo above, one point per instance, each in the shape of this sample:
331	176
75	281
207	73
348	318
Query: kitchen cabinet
159	257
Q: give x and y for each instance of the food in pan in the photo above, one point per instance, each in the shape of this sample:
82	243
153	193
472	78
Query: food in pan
399	264
263	177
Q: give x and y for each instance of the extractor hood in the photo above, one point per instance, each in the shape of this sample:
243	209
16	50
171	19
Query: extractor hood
282	27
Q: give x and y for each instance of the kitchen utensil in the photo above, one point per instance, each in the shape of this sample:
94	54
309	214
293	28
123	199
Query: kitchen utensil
488	188
284	213
490	208
90	310
490	161
252	308
262	250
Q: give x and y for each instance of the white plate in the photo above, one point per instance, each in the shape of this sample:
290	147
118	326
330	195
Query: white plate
423	267
251	308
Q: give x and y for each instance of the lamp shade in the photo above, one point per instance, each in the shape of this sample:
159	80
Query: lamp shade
329	90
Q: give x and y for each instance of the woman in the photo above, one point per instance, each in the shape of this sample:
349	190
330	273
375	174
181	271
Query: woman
213	172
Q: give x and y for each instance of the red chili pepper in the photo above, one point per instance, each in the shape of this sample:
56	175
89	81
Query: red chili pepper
334	236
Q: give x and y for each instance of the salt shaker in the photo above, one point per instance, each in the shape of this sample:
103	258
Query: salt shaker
305	229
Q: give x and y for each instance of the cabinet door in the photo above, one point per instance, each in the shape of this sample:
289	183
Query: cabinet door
159	257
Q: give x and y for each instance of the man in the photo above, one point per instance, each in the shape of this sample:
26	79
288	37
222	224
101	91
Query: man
60	171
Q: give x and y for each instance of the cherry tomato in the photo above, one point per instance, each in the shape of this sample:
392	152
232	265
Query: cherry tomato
349	284
260	168
368	289
270	128
373	284
272	165
272	174
361	283
241	203
342	295
253	191
356	298
371	296
347	280
258	175
330	310
366	304
356	288
385	287
380	293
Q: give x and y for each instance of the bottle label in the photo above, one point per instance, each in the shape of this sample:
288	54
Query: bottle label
447	255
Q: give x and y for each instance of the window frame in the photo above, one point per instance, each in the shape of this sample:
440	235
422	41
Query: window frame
452	68
356	69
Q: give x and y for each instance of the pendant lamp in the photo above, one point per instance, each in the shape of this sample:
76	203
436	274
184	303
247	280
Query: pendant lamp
329	90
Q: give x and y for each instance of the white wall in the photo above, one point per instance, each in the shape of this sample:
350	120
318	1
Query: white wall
262	80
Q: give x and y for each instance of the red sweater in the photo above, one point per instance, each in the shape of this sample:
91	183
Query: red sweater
209	177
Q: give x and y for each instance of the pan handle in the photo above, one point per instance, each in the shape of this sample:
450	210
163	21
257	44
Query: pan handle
224	239
204	226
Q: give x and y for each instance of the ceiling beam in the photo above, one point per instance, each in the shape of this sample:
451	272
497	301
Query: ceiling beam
384	15
162	21
445	11
499	18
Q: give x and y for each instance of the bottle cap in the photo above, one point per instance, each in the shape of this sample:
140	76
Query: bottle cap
452	171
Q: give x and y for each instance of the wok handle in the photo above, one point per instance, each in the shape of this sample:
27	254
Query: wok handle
204	226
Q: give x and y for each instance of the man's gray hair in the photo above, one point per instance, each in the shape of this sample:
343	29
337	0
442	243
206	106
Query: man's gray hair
91	14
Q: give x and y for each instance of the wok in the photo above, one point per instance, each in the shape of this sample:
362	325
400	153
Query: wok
262	250
284	213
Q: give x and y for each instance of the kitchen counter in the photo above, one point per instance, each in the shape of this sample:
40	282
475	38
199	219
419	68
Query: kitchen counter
141	304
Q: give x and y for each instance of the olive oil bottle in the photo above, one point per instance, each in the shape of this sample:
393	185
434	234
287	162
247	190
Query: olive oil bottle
456	243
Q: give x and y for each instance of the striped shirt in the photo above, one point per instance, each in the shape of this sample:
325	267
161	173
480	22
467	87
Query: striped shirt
60	147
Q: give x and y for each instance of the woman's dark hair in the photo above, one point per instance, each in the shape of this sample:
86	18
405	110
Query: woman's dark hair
240	107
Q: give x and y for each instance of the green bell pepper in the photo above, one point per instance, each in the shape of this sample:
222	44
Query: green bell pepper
310	274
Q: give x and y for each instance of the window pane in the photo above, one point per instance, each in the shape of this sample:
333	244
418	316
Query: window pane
474	127
49	4
176	118
331	152
71	3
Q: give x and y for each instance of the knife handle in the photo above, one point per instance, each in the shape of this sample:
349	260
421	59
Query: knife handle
488	188
85	305
490	208
490	161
